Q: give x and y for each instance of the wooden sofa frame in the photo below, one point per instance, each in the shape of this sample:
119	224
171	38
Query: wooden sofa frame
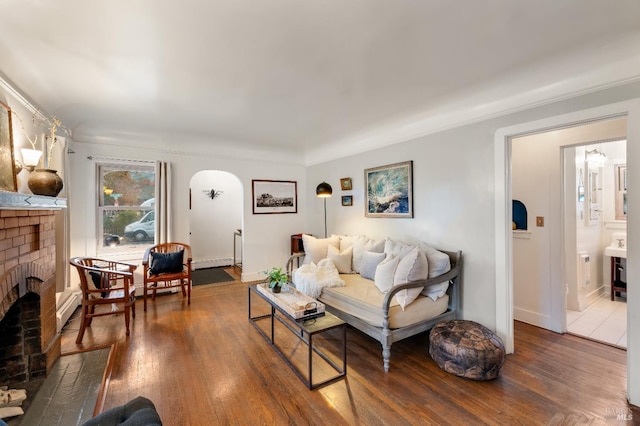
386	335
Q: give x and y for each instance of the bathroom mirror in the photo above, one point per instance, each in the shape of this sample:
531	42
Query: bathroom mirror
621	191
593	189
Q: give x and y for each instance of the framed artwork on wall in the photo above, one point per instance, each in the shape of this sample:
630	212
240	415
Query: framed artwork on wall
389	190
274	196
345	184
8	181
347	200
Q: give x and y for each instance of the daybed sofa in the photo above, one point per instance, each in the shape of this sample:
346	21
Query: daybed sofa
386	289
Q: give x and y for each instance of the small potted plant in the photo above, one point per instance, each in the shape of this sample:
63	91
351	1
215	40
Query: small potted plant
276	279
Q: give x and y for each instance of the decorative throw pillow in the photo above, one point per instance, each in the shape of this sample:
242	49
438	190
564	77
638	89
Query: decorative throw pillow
98	281
166	263
346	241
385	272
341	259
370	261
439	262
396	249
436	291
362	244
412	267
316	249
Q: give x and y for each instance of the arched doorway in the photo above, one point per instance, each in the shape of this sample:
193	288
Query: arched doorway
215	215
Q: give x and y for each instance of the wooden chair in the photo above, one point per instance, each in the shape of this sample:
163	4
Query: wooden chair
105	282
158	276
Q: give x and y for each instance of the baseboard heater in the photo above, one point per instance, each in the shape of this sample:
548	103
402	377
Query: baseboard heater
66	310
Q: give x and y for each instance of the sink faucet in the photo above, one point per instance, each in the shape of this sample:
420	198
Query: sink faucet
620	242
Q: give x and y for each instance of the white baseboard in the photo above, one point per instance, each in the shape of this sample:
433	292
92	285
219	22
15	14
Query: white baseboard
211	263
67	309
533	318
248	277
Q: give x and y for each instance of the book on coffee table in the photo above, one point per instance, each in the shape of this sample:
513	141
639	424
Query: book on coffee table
293	302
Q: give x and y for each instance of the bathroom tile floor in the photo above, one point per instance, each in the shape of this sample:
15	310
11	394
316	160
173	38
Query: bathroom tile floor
604	321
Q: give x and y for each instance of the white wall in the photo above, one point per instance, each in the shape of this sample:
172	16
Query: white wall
213	221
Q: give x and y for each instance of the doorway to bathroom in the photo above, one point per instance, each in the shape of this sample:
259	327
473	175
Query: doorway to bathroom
562	244
595	195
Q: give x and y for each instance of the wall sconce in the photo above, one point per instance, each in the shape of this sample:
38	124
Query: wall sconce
596	157
324	191
30	158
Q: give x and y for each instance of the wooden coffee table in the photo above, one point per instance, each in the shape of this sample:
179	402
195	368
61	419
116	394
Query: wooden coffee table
304	330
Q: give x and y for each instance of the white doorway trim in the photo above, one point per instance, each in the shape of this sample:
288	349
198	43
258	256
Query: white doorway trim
503	243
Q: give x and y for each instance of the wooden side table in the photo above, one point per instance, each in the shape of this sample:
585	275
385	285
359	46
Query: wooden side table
296	245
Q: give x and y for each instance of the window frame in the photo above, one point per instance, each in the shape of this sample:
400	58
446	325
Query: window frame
101	169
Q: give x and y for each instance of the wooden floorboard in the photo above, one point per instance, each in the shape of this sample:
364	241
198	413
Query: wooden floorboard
205	364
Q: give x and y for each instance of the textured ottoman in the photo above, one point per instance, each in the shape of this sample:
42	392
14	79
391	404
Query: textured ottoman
466	349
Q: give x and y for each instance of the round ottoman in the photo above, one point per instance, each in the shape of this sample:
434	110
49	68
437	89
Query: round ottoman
466	349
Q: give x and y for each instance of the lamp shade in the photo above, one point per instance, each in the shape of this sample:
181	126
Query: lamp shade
30	157
324	190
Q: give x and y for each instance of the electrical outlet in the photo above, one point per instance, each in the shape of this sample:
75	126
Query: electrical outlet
539	220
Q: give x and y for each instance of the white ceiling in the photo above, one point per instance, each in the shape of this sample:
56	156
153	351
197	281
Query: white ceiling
279	74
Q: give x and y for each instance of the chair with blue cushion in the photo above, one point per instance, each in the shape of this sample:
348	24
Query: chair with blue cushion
167	265
105	282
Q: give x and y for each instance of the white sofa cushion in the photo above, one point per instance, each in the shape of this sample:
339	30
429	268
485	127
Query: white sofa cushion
342	259
439	262
316	249
370	261
436	291
395	248
412	267
385	271
346	241
360	298
362	244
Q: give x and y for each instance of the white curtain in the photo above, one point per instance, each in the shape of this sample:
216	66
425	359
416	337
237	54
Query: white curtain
163	202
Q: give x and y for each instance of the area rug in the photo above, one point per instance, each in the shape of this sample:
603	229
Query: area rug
209	276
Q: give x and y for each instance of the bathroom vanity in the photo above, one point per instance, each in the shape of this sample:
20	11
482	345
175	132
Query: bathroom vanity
618	253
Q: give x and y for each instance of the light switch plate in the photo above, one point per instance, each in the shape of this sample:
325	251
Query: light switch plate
539	220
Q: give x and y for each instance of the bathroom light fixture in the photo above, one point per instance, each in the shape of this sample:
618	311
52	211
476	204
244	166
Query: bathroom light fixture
596	157
324	191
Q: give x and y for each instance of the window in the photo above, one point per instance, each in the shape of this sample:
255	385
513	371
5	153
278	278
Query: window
126	206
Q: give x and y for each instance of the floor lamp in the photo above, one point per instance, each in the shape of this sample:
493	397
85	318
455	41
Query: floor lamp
324	191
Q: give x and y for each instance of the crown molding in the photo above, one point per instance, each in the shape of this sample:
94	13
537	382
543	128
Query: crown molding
9	87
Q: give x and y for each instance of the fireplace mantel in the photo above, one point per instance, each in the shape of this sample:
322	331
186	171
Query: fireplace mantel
17	201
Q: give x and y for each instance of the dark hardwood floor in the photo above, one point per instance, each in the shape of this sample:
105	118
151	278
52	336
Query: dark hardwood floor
205	364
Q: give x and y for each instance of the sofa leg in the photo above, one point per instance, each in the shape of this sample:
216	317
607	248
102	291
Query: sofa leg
386	355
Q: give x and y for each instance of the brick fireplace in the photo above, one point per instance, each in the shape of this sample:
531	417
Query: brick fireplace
29	342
